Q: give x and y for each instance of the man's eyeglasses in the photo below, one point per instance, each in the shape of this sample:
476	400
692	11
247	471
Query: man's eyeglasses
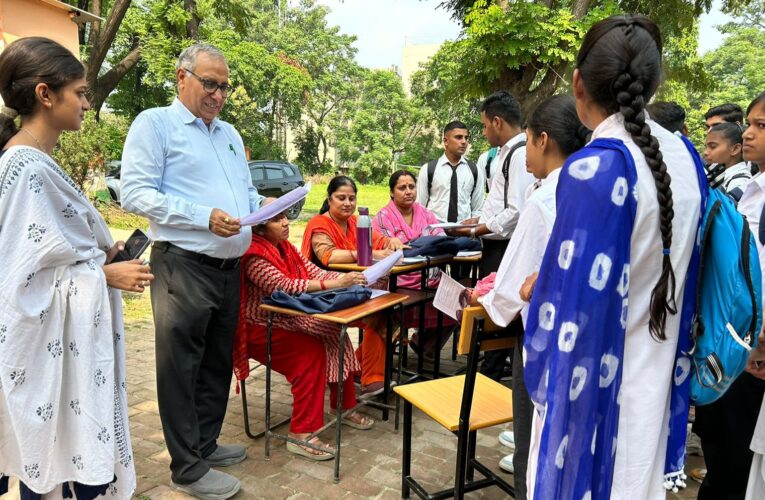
210	86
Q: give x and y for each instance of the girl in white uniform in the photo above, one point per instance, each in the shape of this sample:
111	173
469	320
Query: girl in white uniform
553	133
751	205
609	320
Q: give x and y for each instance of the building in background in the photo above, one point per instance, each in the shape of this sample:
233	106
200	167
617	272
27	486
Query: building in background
49	18
414	55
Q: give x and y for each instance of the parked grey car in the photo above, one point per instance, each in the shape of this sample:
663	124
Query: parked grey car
275	178
112	172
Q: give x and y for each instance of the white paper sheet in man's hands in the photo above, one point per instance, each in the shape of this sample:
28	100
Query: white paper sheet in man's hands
276	207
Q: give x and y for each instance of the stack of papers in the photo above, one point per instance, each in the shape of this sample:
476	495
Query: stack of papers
450	225
468	253
414	260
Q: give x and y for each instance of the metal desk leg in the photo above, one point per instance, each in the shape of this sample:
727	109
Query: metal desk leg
339	409
268	385
403	339
437	360
388	373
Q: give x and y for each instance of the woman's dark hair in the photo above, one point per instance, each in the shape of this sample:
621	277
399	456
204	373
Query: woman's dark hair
620	66
558	119
757	100
336	183
732	132
26	63
397	175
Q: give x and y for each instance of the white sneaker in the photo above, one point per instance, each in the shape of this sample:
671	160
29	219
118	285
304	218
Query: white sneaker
506	464
507	438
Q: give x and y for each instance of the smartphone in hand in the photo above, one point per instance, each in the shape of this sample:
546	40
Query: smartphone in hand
134	247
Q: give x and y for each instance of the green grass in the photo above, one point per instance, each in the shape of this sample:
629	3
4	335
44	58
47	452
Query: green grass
374	196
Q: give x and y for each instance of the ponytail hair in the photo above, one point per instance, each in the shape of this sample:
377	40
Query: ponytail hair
732	132
557	118
26	63
620	66
336	183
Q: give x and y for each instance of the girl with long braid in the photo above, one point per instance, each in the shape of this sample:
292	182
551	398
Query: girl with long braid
609	321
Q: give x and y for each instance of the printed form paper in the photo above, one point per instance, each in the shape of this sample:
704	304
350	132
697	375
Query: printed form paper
447	299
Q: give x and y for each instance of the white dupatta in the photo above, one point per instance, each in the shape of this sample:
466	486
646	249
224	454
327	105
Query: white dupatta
63	400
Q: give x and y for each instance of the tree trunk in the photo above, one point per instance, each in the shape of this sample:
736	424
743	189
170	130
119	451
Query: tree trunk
192	25
108	82
518	81
100	41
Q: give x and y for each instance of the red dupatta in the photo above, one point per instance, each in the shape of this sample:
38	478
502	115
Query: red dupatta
287	260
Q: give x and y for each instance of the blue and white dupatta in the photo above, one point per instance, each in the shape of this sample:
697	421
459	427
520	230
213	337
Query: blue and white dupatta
576	328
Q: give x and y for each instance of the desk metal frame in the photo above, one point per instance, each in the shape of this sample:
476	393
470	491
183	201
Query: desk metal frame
390	300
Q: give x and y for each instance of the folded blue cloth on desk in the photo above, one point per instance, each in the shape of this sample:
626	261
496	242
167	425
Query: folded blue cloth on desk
437	246
321	302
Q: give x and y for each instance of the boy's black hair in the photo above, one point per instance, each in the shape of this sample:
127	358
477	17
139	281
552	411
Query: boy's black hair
729	112
504	105
669	115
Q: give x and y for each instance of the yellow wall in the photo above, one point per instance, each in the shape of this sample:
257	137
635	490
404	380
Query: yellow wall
20	18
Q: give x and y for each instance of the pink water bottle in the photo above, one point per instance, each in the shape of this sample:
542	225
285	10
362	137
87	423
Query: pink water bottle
364	237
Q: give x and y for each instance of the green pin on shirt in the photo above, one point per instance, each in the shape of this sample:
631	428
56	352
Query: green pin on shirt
231	147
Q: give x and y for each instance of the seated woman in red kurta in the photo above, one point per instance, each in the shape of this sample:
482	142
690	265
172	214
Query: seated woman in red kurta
303	349
330	238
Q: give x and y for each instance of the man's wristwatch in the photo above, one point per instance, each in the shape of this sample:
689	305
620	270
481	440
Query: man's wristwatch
472	232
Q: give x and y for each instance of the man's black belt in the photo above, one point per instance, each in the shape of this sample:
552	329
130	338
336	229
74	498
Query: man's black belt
222	264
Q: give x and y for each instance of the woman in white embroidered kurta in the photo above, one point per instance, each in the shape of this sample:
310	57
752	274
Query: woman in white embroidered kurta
63	400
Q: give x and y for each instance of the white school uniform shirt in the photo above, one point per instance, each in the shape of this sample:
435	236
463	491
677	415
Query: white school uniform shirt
524	253
469	200
736	176
648	365
750	205
499	220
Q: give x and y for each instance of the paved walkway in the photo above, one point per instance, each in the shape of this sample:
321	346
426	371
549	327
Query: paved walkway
370	464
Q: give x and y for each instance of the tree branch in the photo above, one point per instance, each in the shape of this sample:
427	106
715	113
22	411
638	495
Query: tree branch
101	39
579	8
108	82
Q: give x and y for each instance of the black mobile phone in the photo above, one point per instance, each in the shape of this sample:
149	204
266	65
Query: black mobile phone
134	246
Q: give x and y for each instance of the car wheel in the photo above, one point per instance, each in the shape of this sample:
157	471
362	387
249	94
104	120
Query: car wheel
294	211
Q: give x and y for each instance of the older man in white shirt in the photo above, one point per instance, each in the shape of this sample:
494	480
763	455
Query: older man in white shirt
185	170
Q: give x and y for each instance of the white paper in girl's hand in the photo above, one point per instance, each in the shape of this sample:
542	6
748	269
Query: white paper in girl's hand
383	267
447	299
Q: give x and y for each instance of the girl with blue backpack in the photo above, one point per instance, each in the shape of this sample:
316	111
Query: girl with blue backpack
609	320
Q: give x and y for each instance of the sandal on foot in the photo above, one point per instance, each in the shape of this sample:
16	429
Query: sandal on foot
310	453
365	424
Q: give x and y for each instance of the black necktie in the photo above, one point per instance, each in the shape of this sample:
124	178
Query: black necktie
452	216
